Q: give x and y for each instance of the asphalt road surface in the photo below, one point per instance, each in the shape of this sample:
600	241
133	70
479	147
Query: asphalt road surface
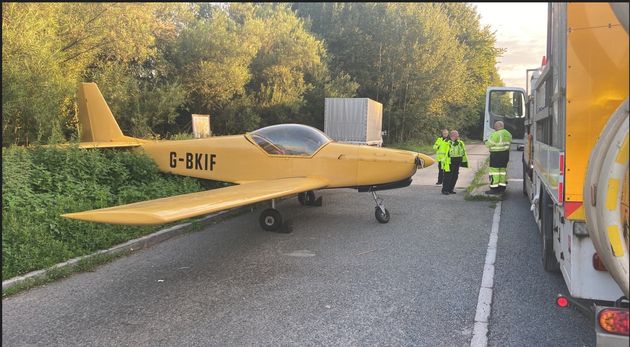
523	310
340	278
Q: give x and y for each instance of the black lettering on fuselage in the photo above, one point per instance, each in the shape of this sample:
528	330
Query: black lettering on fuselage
189	160
198	157
193	161
172	163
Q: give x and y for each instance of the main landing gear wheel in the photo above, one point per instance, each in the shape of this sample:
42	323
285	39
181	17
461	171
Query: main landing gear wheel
270	219
380	216
309	199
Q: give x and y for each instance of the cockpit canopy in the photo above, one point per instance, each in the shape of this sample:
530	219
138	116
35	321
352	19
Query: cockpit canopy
290	139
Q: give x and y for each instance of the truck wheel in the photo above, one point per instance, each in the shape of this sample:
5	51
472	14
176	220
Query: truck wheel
524	178
550	263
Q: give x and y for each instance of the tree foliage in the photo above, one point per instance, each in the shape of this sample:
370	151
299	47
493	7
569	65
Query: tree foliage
247	65
429	64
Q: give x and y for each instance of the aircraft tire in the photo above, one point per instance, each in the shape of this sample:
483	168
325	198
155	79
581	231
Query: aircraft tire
309	199
270	219
302	198
380	217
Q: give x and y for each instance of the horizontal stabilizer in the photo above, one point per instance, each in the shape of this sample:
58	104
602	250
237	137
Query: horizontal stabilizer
121	144
178	207
97	124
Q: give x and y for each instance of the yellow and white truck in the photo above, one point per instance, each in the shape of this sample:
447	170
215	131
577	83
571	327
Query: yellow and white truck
575	162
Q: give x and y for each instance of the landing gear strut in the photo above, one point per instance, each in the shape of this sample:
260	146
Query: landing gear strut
271	220
380	212
308	199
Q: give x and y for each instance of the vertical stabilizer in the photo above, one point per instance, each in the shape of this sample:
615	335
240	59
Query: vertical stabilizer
97	124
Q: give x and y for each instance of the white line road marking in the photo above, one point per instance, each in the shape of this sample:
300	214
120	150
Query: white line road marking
515	180
484	302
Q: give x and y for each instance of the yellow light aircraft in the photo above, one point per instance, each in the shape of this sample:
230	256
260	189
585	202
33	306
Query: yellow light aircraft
266	164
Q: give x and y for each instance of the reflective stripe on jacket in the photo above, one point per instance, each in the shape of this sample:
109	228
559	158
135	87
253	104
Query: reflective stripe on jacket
499	140
441	148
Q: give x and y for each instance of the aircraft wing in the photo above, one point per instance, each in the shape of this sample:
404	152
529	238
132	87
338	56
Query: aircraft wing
178	207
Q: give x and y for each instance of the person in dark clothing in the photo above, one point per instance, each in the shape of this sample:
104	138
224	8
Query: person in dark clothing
456	157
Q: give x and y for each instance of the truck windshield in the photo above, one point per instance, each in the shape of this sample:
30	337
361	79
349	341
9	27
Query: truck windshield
290	139
508	106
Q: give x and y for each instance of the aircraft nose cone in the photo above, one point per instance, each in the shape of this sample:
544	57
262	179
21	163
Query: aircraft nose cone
428	161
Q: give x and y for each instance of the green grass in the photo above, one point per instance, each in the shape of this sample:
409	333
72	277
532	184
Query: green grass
91	263
39	184
51	275
478	181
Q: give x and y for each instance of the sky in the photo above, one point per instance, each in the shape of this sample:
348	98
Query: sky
520	28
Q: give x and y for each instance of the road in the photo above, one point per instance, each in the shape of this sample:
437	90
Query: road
340	278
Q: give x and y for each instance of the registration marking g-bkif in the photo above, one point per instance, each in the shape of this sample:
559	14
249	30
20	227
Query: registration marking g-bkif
193	161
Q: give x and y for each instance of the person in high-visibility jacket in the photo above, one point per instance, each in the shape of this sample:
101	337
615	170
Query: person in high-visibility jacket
499	145
441	149
456	157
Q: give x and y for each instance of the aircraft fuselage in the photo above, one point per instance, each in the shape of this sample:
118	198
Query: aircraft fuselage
236	159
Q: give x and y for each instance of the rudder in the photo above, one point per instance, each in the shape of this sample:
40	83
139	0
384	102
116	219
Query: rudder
96	121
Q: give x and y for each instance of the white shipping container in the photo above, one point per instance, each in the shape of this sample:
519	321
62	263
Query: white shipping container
354	120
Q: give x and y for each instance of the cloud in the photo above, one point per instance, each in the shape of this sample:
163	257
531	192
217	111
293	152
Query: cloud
520	28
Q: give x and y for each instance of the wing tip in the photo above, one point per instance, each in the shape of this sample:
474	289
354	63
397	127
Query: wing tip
117	218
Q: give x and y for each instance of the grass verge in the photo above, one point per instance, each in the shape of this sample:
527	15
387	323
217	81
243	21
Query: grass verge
54	274
90	263
41	183
480	181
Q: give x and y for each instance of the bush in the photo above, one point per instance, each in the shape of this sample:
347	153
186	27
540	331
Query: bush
39	184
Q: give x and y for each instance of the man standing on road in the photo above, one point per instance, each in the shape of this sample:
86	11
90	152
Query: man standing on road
441	149
456	157
499	145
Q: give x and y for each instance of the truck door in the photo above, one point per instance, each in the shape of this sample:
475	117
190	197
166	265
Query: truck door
506	104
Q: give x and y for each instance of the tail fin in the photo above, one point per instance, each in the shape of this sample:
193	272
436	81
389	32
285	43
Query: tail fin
96	121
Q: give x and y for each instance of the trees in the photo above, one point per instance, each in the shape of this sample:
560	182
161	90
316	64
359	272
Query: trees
247	65
48	48
429	64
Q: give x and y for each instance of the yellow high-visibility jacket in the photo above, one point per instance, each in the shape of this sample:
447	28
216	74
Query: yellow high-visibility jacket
458	150
441	148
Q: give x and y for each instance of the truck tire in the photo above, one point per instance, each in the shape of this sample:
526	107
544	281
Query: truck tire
550	263
524	176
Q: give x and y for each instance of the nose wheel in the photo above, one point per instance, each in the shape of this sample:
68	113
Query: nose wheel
380	212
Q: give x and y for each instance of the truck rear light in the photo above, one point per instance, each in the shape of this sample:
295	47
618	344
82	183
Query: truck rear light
562	301
614	321
597	263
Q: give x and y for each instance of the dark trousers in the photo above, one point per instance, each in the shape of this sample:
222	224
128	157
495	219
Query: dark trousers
440	173
450	178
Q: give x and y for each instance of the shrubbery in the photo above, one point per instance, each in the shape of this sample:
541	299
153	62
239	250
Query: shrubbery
39	184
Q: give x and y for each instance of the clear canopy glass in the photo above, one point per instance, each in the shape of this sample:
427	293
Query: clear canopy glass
290	139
